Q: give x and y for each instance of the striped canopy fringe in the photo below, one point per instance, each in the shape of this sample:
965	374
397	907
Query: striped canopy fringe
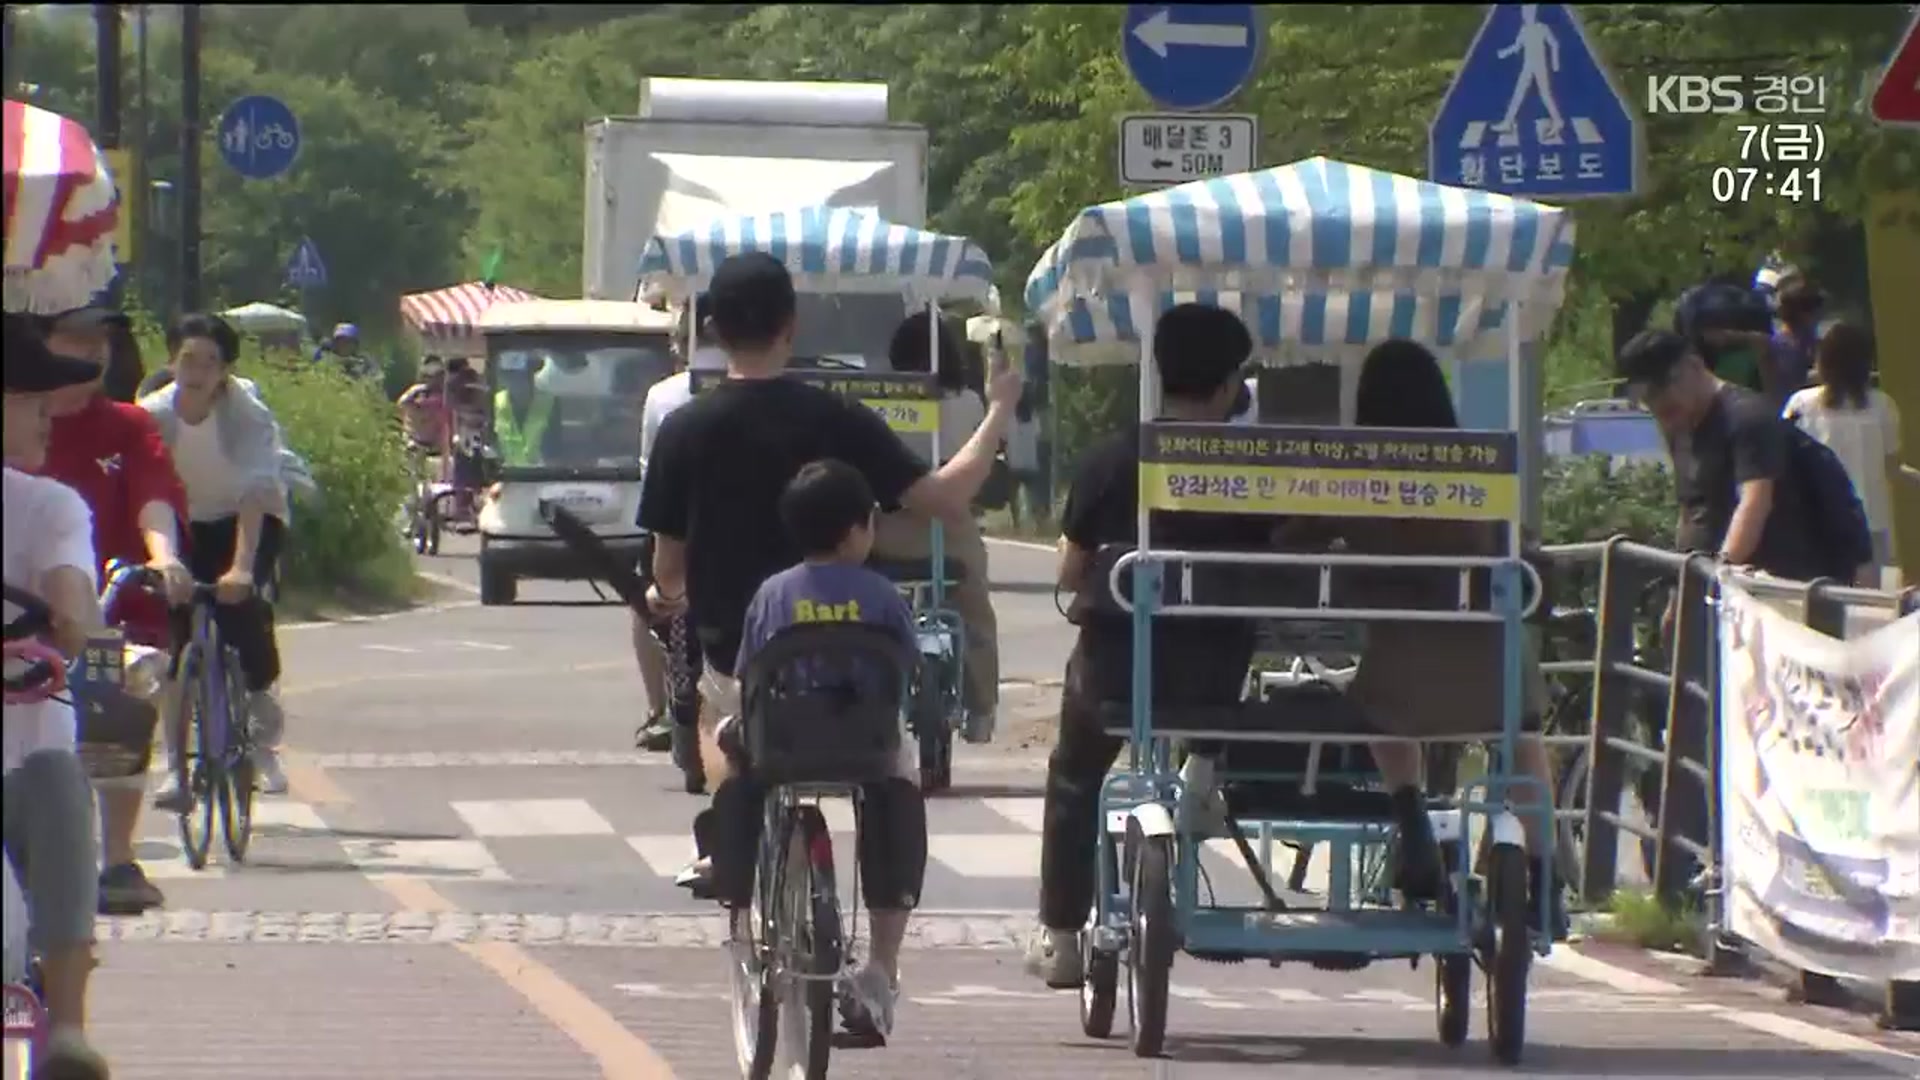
828	250
1322	259
454	312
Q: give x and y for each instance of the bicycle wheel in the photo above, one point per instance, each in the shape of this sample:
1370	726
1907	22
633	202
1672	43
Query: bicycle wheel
193	764
813	906
755	968
236	788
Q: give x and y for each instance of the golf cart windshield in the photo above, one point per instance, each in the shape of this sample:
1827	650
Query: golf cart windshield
850	329
567	403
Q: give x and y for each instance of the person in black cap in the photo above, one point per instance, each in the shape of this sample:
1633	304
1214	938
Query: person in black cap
47	819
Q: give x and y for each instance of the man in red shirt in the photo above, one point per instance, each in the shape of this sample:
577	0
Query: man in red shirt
111	453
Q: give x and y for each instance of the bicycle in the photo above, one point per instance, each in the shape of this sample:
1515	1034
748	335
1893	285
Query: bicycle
935	706
213	750
790	948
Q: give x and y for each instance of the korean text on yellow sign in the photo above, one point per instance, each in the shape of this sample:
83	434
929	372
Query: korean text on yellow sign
1339	472
907	402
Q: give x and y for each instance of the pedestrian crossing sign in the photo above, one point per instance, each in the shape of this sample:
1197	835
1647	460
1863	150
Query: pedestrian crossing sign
1533	111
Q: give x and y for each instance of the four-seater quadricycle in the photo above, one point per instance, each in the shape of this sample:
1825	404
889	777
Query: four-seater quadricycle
840	257
1323	261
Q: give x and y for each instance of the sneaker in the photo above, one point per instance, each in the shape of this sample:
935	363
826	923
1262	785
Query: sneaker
175	798
697	878
69	1056
655	735
686	757
269	719
268	775
977	726
867	1005
1053	957
125	890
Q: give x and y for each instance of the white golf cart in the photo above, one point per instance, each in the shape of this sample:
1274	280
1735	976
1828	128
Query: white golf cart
566	380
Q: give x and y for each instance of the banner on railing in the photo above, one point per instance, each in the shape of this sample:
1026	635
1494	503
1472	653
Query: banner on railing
1820	785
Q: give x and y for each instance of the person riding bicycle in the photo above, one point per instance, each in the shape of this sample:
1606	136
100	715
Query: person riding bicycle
344	345
226	445
47	820
907	536
423	407
720	464
829	513
112	454
680	730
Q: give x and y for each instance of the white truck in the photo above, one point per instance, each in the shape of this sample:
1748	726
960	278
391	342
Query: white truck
703	150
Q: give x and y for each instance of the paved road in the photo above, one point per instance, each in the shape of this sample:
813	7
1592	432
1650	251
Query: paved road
469	879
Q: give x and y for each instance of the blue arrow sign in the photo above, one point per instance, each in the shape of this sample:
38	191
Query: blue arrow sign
259	137
1534	112
1191	56
306	270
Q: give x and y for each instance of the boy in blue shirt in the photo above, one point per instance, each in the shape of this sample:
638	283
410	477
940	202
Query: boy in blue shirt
828	510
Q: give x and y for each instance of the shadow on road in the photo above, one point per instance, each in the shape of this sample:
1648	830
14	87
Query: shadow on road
1427	1055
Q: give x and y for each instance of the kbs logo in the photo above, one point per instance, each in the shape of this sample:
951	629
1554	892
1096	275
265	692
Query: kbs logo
1696	95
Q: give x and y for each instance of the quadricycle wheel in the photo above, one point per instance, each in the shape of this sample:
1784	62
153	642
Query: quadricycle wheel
1151	943
1100	969
1510	958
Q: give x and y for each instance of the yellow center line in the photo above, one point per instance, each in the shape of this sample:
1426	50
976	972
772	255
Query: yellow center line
620	1053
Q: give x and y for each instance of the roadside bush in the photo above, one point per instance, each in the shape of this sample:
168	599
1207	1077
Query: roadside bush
345	540
1590	498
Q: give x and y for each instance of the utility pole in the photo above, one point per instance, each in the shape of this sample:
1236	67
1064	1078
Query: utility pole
190	141
140	197
106	128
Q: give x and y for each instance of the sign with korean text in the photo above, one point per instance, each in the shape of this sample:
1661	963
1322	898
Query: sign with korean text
1336	472
1175	148
908	402
1534	111
1820	831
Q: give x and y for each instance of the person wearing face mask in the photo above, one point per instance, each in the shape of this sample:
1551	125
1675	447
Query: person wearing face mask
227	447
112	454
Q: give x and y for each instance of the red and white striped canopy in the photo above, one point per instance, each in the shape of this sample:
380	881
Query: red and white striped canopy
454	312
62	210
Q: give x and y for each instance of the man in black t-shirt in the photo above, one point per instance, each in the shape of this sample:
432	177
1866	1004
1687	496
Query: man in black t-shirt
1738	500
1730	451
1199	350
712	503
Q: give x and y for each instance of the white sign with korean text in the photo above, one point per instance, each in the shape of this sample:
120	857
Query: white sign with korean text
1820	791
1176	148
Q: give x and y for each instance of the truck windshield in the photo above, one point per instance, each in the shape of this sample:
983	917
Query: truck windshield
570	399
851	329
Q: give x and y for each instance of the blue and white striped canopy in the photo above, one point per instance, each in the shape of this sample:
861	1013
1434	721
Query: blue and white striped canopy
1322	259
828	250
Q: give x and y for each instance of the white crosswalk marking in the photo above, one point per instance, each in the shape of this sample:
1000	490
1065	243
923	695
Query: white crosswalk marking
664	855
1474	135
994	855
1027	813
533	817
442	860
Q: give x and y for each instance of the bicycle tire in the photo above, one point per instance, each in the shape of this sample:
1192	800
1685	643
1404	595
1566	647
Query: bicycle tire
193	769
757	1023
236	791
819	941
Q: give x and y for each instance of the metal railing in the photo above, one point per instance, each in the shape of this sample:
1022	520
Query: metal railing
1682	742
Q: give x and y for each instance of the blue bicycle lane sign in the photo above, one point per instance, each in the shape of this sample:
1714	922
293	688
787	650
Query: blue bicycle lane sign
1534	112
259	137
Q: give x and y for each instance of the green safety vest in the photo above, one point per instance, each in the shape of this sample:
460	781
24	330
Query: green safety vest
520	444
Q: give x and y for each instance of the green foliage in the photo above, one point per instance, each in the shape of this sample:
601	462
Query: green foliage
1589	499
436	135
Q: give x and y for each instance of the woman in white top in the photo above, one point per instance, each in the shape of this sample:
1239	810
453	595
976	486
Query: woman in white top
1859	424
226	446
